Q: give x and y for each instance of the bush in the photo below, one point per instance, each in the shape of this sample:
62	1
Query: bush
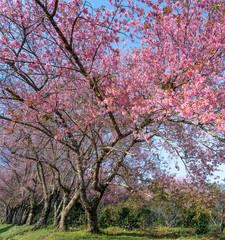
121	217
202	224
189	219
147	217
104	218
76	216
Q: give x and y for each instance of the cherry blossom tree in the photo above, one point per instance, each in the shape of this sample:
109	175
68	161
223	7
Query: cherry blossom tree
53	168
66	73
19	191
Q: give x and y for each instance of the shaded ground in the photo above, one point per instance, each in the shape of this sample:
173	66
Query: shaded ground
5	229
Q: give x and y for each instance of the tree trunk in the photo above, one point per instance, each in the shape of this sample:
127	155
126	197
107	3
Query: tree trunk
41	223
30	217
63	215
47	199
66	209
92	220
57	208
90	208
17	219
25	215
62	222
31	213
9	215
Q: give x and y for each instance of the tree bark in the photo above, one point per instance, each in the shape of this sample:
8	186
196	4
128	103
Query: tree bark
63	215
57	208
92	220
67	208
41	223
31	213
9	215
90	208
47	199
48	204
17	219
25	215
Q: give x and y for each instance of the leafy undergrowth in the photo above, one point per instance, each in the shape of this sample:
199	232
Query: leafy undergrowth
49	233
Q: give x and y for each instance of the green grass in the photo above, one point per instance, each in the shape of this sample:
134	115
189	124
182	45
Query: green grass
113	233
10	230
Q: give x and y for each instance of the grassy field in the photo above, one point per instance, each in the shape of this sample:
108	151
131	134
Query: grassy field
15	232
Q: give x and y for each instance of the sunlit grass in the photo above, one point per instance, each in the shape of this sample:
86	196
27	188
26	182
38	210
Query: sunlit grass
113	233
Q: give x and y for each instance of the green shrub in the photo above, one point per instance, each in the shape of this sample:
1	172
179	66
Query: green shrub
76	216
202	226
189	219
105	218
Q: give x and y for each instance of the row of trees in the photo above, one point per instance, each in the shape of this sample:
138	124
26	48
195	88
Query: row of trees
80	112
177	203
181	204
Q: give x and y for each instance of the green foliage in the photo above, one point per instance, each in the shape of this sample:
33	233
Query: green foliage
50	220
189	218
122	215
202	226
160	220
167	86
198	221
147	217
46	117
37	213
76	216
105	218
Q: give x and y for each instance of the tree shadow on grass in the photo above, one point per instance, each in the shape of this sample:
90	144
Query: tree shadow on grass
5	229
155	235
175	235
149	235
